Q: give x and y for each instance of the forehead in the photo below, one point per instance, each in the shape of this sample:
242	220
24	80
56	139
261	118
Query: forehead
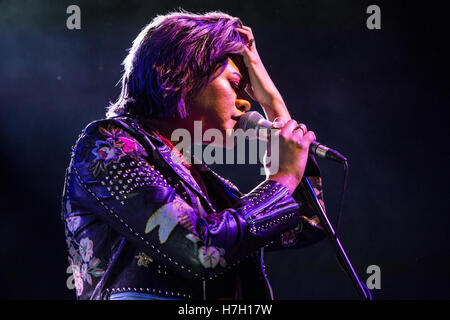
226	69
236	66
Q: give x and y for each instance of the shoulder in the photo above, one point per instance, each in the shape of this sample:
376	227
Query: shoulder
108	127
107	141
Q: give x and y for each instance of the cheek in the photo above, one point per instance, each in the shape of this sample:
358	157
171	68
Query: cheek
220	90
207	99
215	104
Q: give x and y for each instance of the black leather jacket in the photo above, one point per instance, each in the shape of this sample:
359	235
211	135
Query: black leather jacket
137	221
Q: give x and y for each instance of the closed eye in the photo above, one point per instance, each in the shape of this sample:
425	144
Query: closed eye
234	85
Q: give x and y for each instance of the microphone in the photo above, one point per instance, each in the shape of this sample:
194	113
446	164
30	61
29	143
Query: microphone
254	120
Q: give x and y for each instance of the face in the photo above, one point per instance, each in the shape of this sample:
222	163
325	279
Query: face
220	104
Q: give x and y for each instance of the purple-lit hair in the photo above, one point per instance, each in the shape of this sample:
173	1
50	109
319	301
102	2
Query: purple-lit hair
172	59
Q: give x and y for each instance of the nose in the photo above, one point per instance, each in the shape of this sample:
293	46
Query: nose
243	105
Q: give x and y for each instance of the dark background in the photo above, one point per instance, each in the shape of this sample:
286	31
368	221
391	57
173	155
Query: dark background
378	96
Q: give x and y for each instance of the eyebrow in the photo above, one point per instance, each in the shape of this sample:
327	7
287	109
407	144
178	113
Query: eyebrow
238	74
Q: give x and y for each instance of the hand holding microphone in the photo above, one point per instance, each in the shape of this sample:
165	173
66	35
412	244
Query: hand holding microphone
254	120
295	142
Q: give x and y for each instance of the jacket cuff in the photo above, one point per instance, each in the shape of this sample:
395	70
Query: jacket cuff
268	207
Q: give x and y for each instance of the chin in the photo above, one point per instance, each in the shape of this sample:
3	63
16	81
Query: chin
221	135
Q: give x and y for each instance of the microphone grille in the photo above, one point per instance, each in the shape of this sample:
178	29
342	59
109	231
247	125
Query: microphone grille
249	120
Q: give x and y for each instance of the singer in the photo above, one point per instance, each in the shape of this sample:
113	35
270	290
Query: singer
141	221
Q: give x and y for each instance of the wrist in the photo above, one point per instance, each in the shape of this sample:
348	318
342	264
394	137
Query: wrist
275	108
289	180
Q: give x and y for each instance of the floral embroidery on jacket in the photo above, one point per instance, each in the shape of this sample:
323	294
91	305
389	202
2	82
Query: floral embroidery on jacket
104	153
288	238
73	222
84	264
210	256
115	145
143	260
168	216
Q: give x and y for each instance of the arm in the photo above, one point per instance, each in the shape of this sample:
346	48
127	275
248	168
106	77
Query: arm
309	229
114	177
262	89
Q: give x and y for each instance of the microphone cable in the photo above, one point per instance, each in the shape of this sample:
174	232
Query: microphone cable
338	223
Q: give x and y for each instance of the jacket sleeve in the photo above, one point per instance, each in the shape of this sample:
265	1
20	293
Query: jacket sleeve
115	178
309	230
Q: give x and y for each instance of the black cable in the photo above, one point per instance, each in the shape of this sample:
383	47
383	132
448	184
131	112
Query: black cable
338	220
341	202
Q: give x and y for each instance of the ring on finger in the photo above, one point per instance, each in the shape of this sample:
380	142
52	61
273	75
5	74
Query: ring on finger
302	127
250	42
